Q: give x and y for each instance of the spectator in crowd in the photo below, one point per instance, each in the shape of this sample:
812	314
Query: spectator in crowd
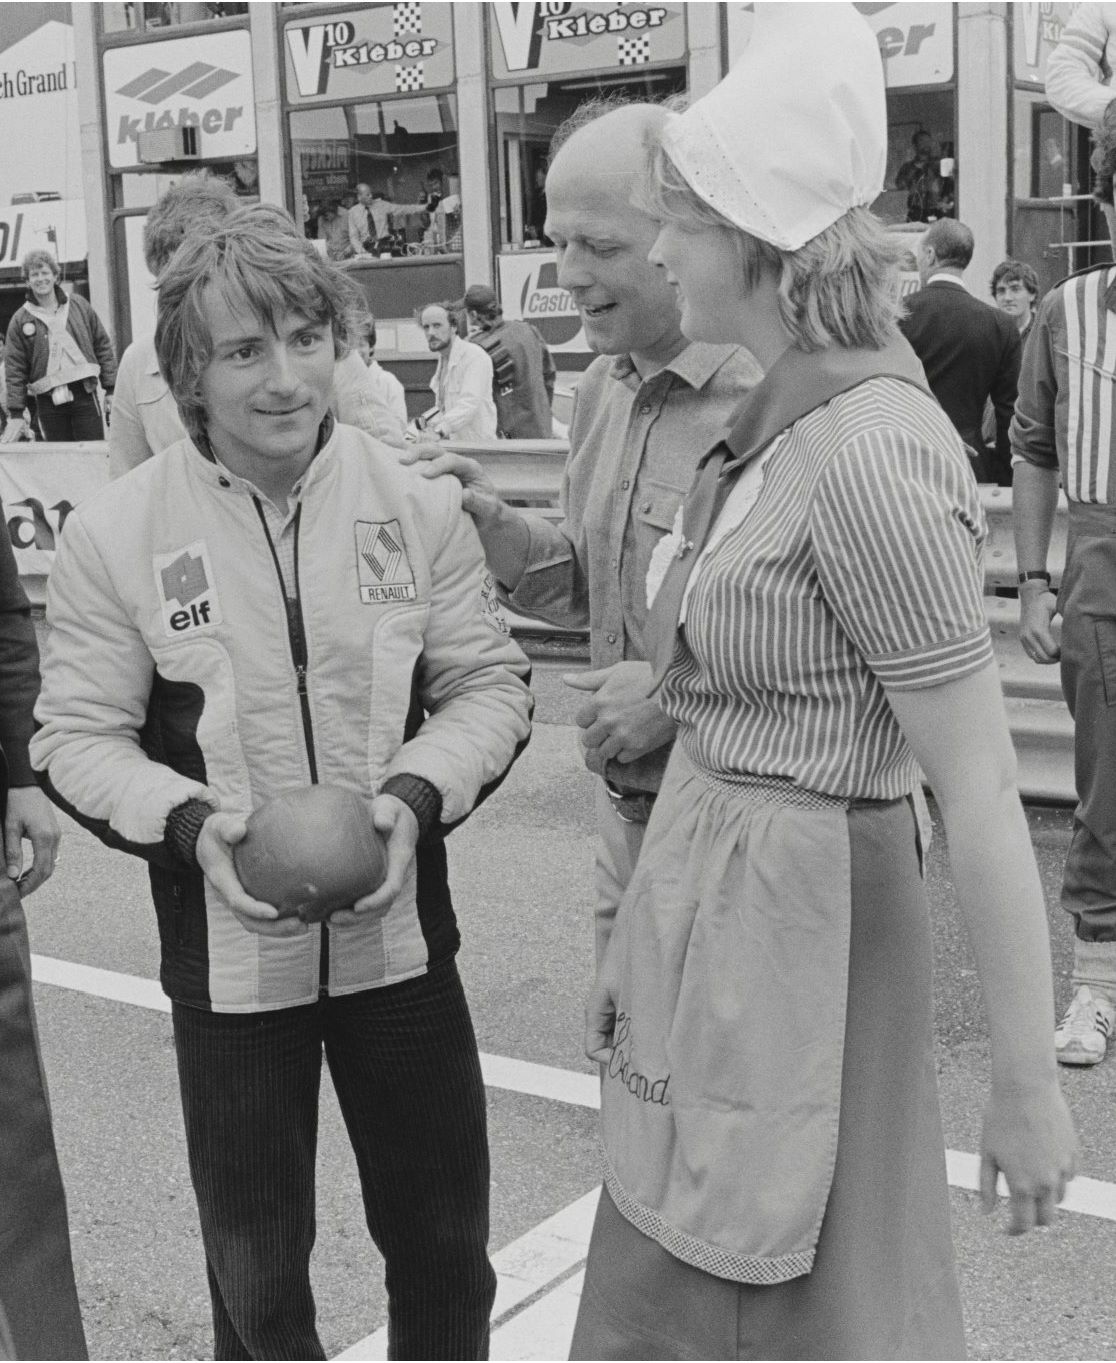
970	351
919	177
1015	288
369	220
462	381
57	353
1063	433
420	712
646	410
146	418
333	229
389	391
523	372
38	1299
1079	70
372	218
763	1014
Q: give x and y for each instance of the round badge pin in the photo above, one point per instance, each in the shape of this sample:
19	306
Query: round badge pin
29	328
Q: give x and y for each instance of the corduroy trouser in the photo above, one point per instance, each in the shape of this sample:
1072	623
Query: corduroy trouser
405	1067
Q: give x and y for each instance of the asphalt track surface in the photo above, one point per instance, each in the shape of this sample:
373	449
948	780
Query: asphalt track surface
521	873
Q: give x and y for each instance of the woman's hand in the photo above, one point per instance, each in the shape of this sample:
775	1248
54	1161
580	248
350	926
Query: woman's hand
1029	1138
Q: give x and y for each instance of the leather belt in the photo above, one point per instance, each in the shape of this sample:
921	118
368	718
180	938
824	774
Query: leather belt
630	806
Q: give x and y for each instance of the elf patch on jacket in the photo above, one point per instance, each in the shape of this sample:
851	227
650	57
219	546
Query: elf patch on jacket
170	674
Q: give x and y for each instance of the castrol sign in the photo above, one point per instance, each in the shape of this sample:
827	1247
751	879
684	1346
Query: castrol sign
529	290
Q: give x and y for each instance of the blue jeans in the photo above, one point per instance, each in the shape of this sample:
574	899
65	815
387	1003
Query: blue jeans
405	1067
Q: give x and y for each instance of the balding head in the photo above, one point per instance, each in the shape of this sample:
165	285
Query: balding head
602	239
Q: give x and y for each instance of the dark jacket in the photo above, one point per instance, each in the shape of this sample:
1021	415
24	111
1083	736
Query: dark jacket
39	1314
19	671
971	353
522	379
29	352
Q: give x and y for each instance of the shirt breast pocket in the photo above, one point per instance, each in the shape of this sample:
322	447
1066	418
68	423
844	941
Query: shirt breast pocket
655	506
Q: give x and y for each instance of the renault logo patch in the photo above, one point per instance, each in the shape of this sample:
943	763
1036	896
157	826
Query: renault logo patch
383	571
187	592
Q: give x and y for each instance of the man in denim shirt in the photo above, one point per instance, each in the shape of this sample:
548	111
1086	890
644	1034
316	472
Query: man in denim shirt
647	409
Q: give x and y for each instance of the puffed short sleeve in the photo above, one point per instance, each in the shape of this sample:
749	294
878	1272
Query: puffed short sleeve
898	535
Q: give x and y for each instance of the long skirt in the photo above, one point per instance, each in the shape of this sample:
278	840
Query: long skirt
776	1182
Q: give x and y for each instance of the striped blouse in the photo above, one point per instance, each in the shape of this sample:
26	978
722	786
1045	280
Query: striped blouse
858	570
1065	412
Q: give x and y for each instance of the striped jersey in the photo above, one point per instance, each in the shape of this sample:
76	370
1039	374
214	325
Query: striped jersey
858	569
1064	412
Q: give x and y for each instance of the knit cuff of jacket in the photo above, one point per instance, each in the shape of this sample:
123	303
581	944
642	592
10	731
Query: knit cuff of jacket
424	799
184	823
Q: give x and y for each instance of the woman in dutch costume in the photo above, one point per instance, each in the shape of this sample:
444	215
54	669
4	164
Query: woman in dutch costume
776	1182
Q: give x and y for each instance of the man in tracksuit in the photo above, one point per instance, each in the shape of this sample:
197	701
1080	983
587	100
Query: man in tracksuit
276	602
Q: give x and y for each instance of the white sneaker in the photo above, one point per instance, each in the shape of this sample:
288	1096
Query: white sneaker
1081	1038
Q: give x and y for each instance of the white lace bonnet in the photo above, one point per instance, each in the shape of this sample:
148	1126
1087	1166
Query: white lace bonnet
796	133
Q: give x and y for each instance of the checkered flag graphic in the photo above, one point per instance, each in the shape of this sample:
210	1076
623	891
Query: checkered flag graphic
409	78
407	17
634	51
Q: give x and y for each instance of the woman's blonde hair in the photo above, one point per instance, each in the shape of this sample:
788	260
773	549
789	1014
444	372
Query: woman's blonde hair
840	288
261	263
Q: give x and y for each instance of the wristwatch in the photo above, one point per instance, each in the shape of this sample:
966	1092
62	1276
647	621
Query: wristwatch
1034	575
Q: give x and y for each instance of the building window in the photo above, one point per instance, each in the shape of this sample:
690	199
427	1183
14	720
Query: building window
526	117
920	181
405	151
134	15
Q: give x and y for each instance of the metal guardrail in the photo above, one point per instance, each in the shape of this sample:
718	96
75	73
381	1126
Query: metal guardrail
529	473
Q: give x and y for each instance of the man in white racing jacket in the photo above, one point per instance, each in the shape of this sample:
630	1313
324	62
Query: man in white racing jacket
276	602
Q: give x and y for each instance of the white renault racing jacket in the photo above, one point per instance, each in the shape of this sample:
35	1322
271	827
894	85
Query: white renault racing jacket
174	672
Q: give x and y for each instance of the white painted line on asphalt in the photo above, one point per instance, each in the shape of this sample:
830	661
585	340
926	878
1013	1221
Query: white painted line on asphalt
1085	1196
541	1081
544	1329
104	984
523	1269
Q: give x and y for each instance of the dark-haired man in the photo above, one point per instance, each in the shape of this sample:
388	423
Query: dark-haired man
969	350
522	370
1063	434
271	603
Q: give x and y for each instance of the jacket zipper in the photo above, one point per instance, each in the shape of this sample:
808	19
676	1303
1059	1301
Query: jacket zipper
296	635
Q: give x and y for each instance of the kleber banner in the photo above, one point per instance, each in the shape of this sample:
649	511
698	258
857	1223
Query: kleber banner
40	485
204	81
915	39
557	37
400	49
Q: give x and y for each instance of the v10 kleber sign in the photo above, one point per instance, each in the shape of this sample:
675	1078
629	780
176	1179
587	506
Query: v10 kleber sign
204	81
398	49
556	36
